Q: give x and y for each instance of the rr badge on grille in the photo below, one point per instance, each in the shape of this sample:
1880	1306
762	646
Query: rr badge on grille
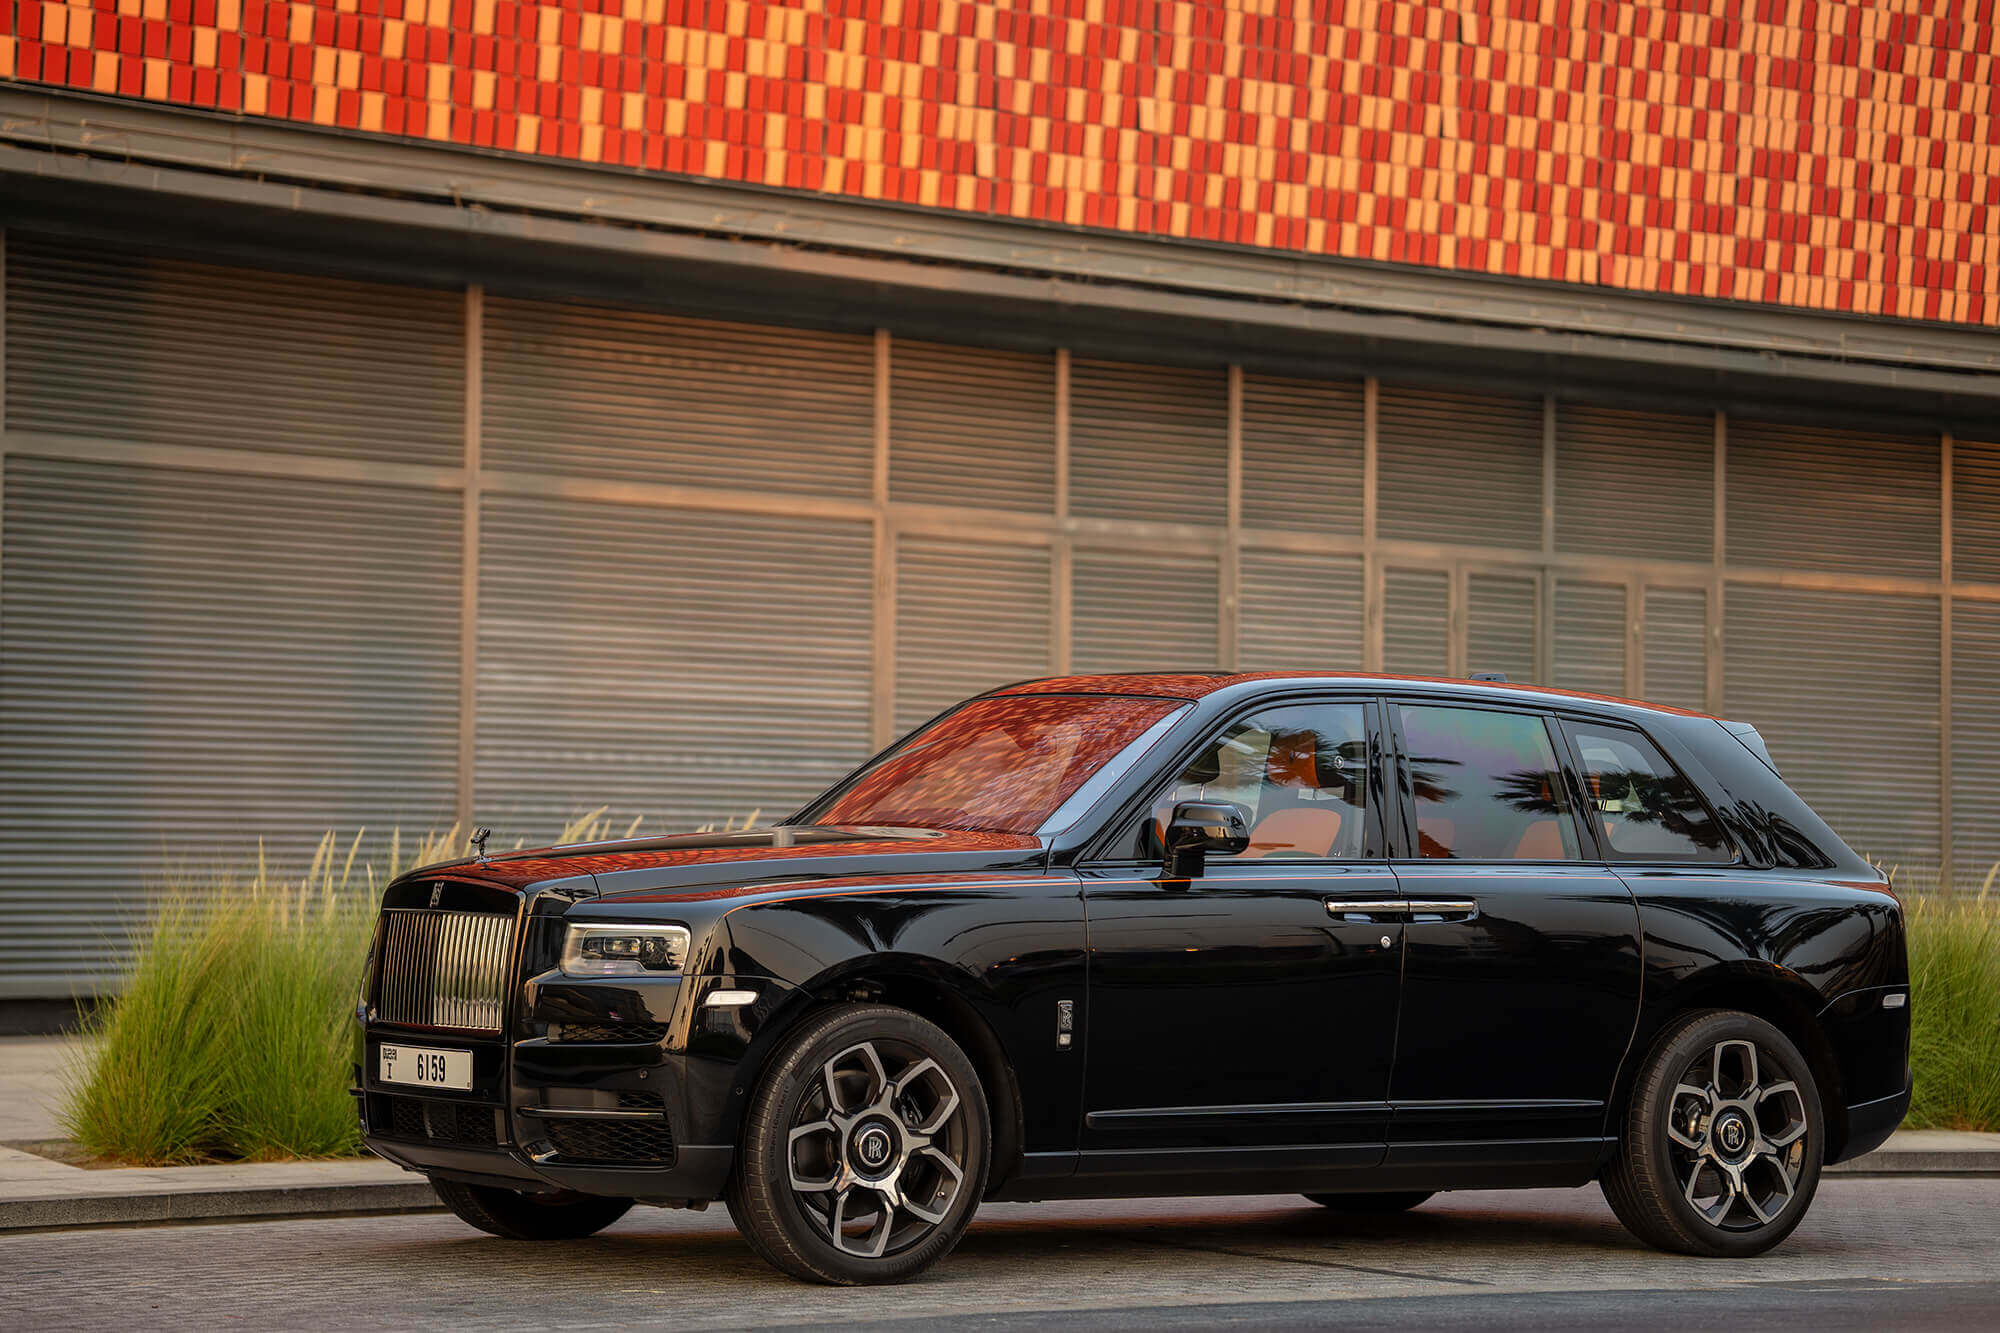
437	892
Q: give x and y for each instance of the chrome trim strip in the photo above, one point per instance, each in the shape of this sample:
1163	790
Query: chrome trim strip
1378	907
583	1113
1426	906
1253	1110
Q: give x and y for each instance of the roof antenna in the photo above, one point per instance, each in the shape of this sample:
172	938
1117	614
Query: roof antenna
1490	677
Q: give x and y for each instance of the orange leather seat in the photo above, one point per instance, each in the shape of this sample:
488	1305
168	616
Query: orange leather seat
1542	841
1299	830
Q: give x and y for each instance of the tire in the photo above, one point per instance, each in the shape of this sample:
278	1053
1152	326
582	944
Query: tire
1718	1156
519	1216
883	1119
1389	1201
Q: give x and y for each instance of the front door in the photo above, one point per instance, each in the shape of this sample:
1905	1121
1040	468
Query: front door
1521	975
1252	1006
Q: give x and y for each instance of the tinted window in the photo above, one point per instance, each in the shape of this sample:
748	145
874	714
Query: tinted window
1487	786
1300	772
1646	809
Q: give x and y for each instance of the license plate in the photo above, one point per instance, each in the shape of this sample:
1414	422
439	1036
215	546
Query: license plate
426	1066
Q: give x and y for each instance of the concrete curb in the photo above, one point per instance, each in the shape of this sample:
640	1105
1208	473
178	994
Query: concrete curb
254	1203
204	1205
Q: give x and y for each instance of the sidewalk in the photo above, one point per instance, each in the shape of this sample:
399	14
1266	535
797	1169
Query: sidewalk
37	1193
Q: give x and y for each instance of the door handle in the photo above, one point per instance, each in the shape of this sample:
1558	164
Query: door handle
1454	909
1367	910
1445	909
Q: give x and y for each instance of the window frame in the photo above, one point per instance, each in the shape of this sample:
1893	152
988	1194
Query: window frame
1572	757
1375	833
1589	845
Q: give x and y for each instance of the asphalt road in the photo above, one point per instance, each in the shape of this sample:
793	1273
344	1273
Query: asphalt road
1903	1253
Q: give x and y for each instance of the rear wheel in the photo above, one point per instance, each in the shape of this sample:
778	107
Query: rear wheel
519	1216
1394	1201
864	1151
1722	1139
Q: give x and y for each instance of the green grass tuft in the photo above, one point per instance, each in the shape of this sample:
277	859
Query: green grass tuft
1955	1012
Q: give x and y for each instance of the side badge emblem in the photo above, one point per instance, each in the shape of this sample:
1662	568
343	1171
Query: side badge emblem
1065	1023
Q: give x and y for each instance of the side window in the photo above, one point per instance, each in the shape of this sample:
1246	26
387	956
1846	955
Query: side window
1300	772
1487	786
1648	811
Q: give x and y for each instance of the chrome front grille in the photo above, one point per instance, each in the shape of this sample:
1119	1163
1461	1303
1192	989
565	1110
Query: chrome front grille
444	969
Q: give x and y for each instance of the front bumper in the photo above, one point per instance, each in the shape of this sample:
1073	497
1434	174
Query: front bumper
613	1113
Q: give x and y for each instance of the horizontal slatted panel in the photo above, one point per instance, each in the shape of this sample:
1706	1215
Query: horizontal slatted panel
1148	442
595	391
192	662
1590	637
1416	622
1299	611
1634	484
1460	468
1975	512
968	617
1676	656
1142	612
1302	447
972	426
116	345
1844	688
1805	497
685	668
1500	625
1975	743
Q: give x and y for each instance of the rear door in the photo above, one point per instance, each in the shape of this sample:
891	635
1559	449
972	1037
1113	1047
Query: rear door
1521	971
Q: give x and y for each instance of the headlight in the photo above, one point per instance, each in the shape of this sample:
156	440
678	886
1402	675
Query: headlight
623	950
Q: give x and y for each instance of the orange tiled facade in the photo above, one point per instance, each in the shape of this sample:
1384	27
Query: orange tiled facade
1835	156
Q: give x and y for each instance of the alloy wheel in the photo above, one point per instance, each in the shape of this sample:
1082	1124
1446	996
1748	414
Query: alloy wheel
878	1149
1738	1141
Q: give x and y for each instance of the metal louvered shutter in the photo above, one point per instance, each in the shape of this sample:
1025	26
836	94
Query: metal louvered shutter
1590	637
1302	454
1803	497
972	426
1500	625
1975	510
1148	442
1416	622
1460	468
1676	663
1975	743
1634	484
110	344
1844	688
968	617
682	667
598	391
1299	611
192	662
1137	612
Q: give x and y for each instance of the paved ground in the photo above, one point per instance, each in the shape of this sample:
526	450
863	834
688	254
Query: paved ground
1874	1252
31	1080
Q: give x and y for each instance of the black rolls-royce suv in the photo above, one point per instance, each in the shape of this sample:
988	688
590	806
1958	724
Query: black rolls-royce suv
1355	937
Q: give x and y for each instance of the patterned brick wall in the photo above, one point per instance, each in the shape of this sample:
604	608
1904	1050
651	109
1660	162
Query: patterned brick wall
1840	156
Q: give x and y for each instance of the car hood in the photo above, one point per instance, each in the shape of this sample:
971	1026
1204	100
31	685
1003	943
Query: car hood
692	861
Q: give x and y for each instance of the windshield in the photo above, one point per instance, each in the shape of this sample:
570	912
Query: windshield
994	766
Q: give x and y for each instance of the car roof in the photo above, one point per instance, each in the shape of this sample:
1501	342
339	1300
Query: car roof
1198	685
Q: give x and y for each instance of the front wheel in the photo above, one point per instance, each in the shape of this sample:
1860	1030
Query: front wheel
519	1216
1388	1201
864	1151
1722	1139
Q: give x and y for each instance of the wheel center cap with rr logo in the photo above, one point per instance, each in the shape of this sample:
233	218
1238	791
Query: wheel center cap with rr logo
872	1146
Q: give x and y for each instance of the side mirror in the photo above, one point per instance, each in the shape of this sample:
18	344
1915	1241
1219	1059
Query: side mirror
1200	827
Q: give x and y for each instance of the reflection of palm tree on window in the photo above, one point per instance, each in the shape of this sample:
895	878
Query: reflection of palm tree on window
1427	781
1530	792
